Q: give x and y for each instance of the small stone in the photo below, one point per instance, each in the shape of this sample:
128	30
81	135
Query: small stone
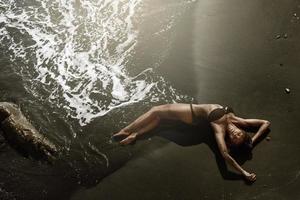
278	36
285	36
268	138
295	14
287	90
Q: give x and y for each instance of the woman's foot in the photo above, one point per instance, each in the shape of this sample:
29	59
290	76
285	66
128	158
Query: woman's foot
125	137
129	139
121	133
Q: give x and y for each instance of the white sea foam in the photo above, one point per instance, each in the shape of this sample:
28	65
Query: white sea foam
77	51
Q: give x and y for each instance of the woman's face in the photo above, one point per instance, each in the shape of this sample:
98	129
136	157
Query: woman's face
236	136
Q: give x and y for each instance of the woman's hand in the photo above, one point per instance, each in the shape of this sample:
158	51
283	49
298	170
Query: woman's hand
250	176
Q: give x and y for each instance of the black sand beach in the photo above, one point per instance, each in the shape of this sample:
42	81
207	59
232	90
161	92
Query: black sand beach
228	53
245	54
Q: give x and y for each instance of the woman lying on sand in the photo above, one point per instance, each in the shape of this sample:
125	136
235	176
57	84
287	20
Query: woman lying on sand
226	125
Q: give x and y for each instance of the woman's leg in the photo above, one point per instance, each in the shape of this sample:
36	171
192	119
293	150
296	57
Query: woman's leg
141	131
141	122
151	119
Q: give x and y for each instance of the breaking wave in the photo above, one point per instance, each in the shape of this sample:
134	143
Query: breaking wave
74	54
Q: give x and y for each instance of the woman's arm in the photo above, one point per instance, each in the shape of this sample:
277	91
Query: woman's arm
263	125
220	139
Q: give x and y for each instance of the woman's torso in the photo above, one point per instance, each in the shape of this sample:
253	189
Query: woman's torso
211	112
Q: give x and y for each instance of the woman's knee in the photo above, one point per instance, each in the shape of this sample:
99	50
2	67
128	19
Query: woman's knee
159	111
154	111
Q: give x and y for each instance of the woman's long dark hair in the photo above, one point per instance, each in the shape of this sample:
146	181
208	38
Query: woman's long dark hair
244	150
245	147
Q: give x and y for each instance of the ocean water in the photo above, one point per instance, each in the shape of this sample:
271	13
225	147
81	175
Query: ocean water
74	54
80	70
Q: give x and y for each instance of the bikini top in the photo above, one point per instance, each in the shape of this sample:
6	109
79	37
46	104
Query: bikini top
217	113
214	115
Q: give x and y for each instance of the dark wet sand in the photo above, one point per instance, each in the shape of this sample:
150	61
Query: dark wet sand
225	52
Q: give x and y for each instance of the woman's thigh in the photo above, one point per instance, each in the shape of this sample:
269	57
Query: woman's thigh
176	111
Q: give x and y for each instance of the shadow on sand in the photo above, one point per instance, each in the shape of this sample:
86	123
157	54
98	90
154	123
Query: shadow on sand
187	135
